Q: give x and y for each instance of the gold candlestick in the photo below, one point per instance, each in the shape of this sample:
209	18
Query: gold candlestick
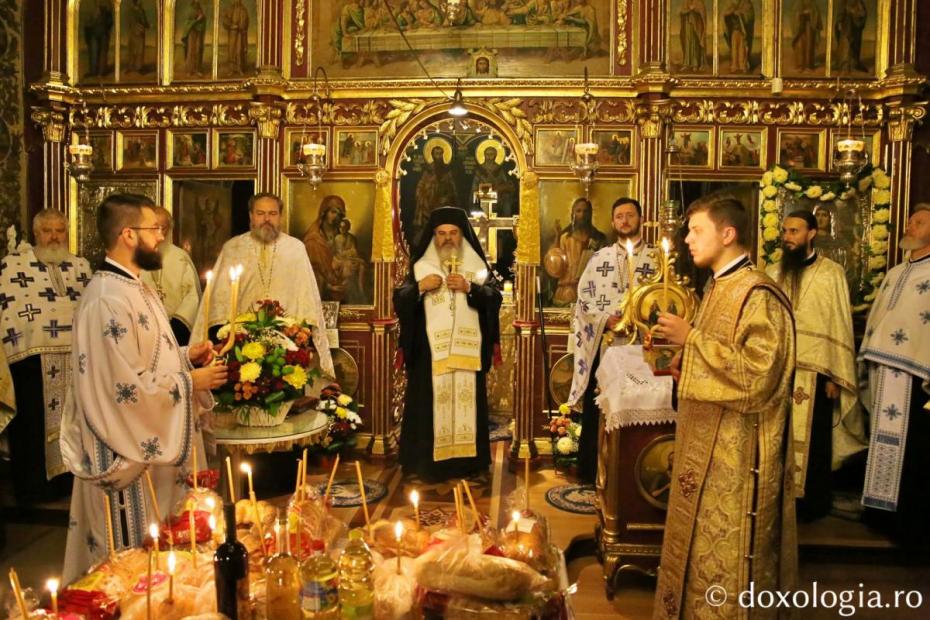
208	291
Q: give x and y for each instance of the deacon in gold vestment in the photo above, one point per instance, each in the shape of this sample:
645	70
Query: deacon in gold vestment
731	510
826	422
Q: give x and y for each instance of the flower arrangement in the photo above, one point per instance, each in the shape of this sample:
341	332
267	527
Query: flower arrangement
565	433
269	362
871	178
344	420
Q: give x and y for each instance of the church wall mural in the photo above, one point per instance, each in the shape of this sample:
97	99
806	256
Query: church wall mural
12	170
200	125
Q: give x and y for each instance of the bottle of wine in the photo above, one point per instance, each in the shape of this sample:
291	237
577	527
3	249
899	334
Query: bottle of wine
231	567
282	583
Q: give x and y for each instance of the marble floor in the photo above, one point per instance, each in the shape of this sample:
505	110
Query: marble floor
837	554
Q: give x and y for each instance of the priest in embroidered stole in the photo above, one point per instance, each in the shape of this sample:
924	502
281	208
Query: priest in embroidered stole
731	508
177	282
603	284
39	291
136	397
449	332
894	364
826	421
275	266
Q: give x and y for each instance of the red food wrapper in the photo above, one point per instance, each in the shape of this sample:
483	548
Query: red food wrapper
206	478
179	527
93	605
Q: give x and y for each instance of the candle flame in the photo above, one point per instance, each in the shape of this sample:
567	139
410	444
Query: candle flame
398	530
172	563
209	276
515	515
52	585
415	497
665	245
153	531
212	522
245	468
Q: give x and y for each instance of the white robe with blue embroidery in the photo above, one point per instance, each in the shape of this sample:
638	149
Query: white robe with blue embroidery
132	408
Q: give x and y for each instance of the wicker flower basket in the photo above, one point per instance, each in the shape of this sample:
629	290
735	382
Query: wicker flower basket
249	415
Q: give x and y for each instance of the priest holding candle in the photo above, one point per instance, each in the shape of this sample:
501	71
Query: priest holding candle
136	396
608	276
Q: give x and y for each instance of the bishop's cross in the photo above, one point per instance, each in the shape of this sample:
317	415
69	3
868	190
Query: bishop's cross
452	263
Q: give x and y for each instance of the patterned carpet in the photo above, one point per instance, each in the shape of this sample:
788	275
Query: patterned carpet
576	498
499	428
345	493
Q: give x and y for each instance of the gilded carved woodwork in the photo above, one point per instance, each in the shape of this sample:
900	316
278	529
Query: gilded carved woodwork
300	13
267	118
51	122
621	32
651	117
901	120
144	116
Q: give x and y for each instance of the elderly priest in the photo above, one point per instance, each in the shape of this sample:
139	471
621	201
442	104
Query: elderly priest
449	332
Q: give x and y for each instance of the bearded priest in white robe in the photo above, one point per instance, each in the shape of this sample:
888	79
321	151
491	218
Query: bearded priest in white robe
136	396
603	285
275	266
894	361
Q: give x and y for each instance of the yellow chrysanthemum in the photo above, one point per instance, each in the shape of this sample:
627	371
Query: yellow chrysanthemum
297	378
881	216
250	371
864	184
767	179
776	255
770	219
879	233
827	197
245	317
344	399
877	262
780	174
769	206
769	191
564	409
881	197
881	180
814	191
794	187
770	233
341	412
254	351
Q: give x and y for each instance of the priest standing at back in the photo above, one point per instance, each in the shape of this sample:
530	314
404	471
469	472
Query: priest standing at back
449	332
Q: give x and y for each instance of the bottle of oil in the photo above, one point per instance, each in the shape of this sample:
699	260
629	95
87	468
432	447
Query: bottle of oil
282	581
356	597
319	594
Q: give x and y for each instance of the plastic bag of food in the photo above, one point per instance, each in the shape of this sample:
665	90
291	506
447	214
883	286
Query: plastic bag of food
394	591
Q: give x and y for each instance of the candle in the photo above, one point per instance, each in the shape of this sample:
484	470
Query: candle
297	485
106	509
148	590
193	531
471	502
415	500
172	566
526	481
361	490
631	262
148	480
18	594
665	257
211	521
52	585
514	521
206	305
153	532
234	273
398	534
232	486
194	463
329	484
303	478
247	469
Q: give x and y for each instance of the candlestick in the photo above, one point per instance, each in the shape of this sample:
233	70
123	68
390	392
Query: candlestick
329	484
398	534
52	585
232	485
172	566
110	540
148	590
526	482
153	532
193	531
18	594
631	264
665	258
415	500
207	292
361	490
194	463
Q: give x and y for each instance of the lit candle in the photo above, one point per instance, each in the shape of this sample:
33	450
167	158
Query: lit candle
52	585
232	486
234	273
110	539
194	463
398	534
665	255
211	521
415	500
153	532
514	521
206	305
148	590
18	593
631	262
172	566
193	531
247	470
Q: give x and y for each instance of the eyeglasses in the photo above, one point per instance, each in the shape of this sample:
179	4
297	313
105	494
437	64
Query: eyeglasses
144	227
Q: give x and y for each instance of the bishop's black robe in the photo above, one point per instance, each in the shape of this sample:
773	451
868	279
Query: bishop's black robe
416	431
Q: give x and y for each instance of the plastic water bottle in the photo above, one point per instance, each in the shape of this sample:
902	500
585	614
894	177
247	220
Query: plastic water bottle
356	597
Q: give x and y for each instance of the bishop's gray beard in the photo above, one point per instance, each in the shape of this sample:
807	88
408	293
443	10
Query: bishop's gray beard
447	251
264	233
51	254
910	244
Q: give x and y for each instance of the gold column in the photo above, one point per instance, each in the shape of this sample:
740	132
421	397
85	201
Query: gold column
902	43
651	117
901	121
386	381
651	31
527	399
51	120
267	117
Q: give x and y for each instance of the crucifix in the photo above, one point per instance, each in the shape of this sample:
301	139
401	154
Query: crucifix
452	263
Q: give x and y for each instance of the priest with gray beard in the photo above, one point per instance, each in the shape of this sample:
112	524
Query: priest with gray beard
39	291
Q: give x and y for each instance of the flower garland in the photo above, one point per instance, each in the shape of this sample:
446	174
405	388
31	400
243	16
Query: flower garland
873	179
